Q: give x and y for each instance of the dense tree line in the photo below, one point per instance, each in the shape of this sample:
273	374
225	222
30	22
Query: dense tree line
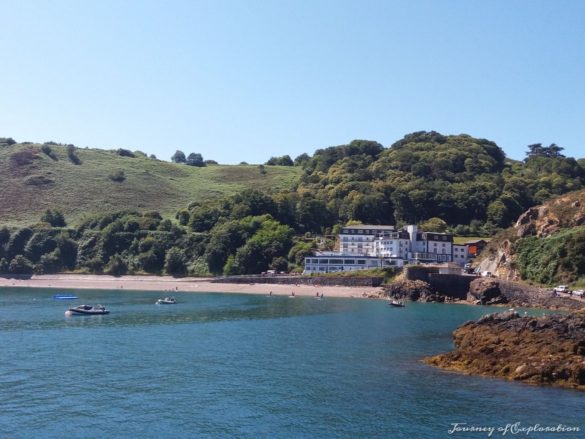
467	183
133	242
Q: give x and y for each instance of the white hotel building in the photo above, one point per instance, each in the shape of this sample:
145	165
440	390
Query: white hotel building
368	246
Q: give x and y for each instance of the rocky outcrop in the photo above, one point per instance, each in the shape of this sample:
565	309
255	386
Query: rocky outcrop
565	211
486	291
548	219
536	350
490	291
415	290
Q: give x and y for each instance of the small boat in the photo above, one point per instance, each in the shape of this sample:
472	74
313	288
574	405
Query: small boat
64	297
166	301
396	303
88	310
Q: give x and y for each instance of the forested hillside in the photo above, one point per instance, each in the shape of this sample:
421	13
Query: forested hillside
118	211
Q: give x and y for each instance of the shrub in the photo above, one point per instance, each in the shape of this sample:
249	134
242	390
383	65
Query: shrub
7	141
54	217
20	265
125	153
49	152
116	266
195	159
175	262
72	155
117	176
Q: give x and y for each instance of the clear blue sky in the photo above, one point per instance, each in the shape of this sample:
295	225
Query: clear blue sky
245	80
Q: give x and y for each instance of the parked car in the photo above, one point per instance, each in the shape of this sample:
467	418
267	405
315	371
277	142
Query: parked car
561	289
579	293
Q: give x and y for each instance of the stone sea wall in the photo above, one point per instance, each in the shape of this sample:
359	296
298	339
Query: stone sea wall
304	280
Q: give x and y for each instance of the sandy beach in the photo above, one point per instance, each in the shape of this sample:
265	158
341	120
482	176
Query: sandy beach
164	283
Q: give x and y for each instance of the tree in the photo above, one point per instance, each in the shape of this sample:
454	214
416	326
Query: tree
195	159
20	265
175	262
434	225
302	159
284	160
179	157
183	217
537	150
117	266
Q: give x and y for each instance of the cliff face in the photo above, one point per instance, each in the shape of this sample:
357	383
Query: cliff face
543	350
560	214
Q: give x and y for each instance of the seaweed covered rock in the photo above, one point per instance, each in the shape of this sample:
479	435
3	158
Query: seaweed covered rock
536	350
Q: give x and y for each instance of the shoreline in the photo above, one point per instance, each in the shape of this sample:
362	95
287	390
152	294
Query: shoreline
186	284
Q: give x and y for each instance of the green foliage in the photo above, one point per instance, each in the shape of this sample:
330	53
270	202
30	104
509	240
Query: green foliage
183	217
559	258
49	152
179	157
54	217
72	155
50	263
285	160
175	263
117	266
126	153
117	176
537	150
20	265
6	141
195	159
18	241
302	159
434	225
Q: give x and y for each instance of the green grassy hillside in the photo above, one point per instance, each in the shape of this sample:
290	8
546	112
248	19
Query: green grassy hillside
31	182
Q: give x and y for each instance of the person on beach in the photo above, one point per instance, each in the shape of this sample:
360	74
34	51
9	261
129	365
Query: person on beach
270	294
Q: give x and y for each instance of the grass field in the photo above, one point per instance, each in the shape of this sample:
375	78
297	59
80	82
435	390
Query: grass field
31	182
464	239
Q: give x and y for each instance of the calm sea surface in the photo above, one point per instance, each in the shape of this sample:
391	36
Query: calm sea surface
224	365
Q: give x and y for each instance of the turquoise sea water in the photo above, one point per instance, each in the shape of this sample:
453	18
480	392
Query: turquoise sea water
249	366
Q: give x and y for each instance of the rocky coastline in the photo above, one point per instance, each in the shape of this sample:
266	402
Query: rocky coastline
485	291
416	291
546	350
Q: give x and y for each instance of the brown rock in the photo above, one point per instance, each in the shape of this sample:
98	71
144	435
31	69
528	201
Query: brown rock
544	350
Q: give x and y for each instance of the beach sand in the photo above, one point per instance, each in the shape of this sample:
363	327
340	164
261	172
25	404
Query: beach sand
166	284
